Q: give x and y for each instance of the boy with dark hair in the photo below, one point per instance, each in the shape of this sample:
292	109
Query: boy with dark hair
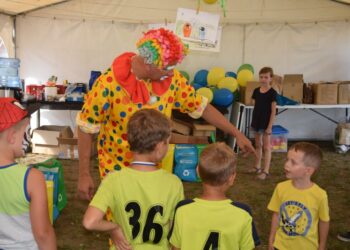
24	216
300	217
142	197
213	221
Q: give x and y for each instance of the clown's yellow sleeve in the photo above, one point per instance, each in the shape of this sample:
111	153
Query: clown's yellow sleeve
186	99
96	104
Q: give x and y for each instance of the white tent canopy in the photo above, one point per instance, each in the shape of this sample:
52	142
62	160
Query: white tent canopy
69	39
151	11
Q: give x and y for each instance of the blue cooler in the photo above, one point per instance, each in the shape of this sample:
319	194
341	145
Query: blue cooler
9	73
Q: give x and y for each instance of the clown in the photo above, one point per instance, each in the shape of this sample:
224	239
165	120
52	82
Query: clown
136	81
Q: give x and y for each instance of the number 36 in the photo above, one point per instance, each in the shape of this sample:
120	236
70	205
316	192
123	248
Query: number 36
149	225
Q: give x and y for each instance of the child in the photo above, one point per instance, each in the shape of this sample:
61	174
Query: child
300	207
264	99
142	197
24	216
213	221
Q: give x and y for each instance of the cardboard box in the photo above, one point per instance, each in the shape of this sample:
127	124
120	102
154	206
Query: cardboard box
181	127
344	93
276	83
203	129
186	139
293	87
45	139
325	93
342	133
247	92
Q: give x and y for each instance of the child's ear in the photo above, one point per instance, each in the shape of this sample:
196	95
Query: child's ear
310	170
231	179
10	136
197	171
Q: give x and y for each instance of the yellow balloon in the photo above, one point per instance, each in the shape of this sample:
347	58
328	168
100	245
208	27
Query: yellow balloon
210	1
215	75
206	92
244	76
229	83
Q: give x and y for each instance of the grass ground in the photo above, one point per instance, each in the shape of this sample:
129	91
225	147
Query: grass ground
334	177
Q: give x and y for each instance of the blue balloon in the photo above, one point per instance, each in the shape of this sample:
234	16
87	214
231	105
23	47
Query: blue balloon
231	74
201	77
197	86
223	97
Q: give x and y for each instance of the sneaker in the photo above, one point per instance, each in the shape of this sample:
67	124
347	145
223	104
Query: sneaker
344	236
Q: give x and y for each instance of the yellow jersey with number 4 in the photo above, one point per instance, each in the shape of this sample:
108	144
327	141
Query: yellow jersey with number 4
208	225
142	203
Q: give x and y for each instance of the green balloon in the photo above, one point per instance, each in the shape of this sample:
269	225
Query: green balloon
246	66
185	74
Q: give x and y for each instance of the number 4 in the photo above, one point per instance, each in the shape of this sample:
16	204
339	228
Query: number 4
212	241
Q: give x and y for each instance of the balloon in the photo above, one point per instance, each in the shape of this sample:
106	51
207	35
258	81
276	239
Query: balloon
215	75
210	1
223	97
197	86
244	76
231	74
201	77
246	66
229	83
206	92
185	74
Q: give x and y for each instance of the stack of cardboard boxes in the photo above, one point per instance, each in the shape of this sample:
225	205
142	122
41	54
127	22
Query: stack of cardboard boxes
293	87
59	141
185	132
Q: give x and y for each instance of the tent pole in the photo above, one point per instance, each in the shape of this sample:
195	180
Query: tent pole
244	41
14	36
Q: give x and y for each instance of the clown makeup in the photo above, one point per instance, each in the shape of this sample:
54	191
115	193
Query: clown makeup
160	74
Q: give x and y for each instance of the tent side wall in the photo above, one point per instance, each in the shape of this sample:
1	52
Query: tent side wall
6	33
70	49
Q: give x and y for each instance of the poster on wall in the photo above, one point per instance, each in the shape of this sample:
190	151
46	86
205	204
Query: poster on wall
195	41
201	27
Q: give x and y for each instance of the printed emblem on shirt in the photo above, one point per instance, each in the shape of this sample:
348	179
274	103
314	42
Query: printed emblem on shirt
295	218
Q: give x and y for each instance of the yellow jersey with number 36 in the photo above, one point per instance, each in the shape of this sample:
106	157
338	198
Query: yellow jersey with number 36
142	203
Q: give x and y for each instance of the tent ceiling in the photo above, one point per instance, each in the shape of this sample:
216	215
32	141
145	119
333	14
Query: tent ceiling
14	7
153	11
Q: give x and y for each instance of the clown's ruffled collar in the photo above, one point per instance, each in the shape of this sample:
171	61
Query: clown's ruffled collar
137	89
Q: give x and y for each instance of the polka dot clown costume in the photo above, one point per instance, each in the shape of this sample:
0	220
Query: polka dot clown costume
118	93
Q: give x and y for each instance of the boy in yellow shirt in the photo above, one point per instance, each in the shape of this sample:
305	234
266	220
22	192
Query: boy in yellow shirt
300	217
213	221
142	197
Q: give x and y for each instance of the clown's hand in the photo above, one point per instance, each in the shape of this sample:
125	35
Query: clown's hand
86	187
244	144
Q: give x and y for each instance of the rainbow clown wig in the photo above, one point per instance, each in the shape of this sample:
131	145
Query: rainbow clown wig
161	47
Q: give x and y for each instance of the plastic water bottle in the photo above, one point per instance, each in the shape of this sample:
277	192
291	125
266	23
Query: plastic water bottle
9	72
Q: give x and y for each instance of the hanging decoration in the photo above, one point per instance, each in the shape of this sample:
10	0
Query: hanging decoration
222	4
210	1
